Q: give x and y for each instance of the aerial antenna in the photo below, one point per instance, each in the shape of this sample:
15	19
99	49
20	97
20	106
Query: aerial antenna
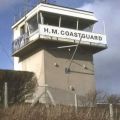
26	6
44	1
47	1
68	68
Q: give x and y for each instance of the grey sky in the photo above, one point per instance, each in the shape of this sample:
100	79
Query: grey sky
107	62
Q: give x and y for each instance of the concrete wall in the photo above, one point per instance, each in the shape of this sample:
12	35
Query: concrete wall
35	63
49	66
81	76
17	64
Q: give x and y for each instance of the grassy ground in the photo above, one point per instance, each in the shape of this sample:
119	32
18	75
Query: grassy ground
49	112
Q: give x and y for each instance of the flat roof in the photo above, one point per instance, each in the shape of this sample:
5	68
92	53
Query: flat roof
56	9
69	8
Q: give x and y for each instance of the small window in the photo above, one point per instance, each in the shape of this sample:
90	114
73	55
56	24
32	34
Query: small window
33	24
68	22
22	30
51	19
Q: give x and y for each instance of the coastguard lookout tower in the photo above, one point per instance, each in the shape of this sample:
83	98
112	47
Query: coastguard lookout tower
57	44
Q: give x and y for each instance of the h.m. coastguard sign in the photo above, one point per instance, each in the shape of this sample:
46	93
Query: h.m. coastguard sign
72	34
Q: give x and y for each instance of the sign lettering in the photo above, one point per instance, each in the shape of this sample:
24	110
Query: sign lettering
72	34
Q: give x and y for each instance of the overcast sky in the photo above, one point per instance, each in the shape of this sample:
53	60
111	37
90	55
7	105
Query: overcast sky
107	62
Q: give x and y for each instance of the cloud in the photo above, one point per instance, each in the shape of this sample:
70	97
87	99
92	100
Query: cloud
107	62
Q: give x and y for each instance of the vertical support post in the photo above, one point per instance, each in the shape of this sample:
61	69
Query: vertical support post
38	21
111	112
60	21
41	18
38	18
77	26
5	95
115	115
104	27
76	102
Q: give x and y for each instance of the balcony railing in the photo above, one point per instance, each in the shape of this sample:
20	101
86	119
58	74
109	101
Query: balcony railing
20	42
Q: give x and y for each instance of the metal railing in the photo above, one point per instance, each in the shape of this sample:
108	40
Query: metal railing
20	42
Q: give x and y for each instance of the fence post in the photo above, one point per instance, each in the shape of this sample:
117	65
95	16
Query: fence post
111	112
76	103
5	95
116	112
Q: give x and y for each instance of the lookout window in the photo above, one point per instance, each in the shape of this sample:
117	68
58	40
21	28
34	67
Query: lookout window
85	25
51	19
68	22
33	24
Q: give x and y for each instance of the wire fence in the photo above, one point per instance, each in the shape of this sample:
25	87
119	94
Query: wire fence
19	87
55	96
58	112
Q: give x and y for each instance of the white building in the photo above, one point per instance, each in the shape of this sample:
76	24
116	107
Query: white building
57	44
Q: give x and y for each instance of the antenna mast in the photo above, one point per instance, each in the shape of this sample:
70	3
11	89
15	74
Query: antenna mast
44	1
68	69
47	1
